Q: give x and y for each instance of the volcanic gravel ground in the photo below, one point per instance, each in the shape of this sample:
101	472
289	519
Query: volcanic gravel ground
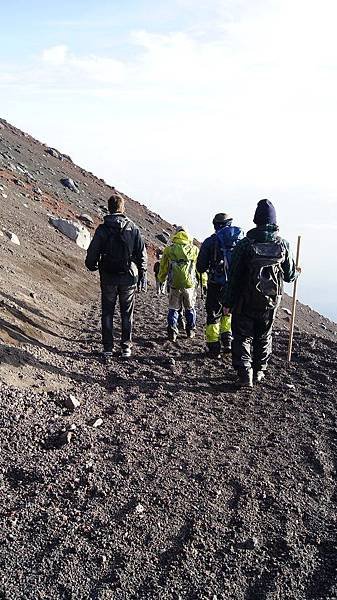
189	488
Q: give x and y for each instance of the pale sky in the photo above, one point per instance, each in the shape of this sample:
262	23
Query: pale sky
190	107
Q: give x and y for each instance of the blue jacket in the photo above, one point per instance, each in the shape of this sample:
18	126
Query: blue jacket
208	257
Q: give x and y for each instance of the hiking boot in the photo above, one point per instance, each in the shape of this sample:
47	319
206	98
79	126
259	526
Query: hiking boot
126	352
190	333
226	341
213	350
107	355
245	378
258	376
172	335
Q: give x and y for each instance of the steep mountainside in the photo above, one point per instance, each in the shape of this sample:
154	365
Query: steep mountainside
167	481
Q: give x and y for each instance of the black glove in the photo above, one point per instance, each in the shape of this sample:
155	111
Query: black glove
142	281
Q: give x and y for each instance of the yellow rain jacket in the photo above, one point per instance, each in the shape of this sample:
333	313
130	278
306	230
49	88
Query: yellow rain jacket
178	263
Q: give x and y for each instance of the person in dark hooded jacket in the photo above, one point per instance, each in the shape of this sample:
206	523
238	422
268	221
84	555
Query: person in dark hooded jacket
118	251
261	262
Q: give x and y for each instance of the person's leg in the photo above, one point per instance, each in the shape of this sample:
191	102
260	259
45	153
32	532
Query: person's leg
109	296
173	313
127	304
188	300
262	340
181	320
158	286
214	311
226	332
225	323
243	331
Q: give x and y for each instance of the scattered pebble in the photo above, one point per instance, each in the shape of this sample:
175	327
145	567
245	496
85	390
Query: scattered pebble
140	509
71	402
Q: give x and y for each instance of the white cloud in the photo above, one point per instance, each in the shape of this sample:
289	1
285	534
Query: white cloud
56	55
97	69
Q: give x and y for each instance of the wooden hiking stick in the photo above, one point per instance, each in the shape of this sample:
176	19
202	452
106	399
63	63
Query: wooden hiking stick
293	310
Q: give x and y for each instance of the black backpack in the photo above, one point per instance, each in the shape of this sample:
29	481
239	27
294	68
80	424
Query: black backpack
265	275
116	258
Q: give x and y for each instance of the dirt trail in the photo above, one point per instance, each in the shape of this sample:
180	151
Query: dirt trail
188	489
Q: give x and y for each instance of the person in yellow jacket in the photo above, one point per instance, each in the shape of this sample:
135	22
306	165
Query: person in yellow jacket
178	266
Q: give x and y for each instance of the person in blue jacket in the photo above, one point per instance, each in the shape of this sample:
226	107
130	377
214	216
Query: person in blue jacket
214	259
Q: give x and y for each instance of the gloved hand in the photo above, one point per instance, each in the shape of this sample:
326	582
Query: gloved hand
142	281
226	311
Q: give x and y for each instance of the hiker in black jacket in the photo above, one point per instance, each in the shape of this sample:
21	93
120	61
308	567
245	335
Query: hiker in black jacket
118	251
261	262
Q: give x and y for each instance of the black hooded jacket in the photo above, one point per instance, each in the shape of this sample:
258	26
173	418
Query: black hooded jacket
135	243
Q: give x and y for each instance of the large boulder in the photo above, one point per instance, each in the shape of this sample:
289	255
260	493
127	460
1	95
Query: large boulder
74	231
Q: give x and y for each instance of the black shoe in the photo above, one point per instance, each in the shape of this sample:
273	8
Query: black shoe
226	341
126	352
172	335
245	378
258	376
213	349
190	333
227	348
107	355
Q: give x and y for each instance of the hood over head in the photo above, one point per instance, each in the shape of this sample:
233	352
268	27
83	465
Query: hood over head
182	237
115	220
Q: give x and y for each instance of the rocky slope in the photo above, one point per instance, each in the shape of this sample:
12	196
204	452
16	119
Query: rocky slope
188	487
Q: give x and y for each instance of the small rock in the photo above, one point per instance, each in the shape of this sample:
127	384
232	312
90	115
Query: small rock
66	437
54	153
4	195
19	182
286	310
140	509
162	238
72	427
97	423
71	402
87	218
290	386
251	543
171	362
37	191
70	184
13	237
323	326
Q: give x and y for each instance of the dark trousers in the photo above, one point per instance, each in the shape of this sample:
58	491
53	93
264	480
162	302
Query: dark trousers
252	339
126	295
214	303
